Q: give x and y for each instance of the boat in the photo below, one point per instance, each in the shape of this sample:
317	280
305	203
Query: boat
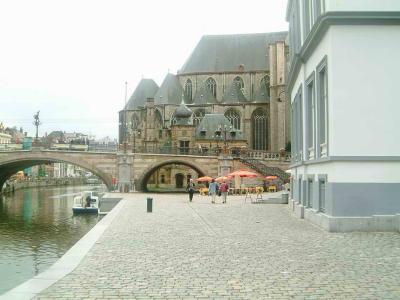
87	203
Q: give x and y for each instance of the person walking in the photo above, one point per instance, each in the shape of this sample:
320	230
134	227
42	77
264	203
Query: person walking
190	189
223	188
212	190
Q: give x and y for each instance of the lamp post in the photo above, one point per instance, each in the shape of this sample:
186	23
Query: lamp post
222	131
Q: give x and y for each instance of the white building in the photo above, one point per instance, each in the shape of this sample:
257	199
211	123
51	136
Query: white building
4	137
62	170
343	81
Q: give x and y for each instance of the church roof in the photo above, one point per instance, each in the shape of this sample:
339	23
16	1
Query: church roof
146	88
233	94
170	91
222	53
203	96
210	123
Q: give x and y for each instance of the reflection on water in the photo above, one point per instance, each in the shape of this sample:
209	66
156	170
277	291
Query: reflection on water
36	228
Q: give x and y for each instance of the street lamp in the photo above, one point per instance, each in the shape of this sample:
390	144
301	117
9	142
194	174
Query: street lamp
223	131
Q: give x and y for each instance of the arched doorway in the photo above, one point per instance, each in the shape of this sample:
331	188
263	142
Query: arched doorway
176	173
179	177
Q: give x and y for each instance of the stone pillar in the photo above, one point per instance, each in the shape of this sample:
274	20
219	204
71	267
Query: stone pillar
125	175
282	110
225	165
273	112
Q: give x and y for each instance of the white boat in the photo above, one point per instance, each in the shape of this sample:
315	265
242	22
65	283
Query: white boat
87	202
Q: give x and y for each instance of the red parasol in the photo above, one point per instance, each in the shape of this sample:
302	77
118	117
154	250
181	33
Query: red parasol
271	177
223	178
243	173
204	179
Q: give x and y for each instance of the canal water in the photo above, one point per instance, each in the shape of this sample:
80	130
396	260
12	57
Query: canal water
36	228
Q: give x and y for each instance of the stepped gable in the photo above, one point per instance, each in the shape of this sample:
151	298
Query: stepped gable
232	52
204	96
169	92
233	94
146	88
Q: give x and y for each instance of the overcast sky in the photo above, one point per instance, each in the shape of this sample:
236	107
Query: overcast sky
70	59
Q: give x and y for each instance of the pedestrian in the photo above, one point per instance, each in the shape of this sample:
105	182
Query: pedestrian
190	189
223	188
212	190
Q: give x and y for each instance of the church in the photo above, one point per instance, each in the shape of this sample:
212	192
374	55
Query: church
227	97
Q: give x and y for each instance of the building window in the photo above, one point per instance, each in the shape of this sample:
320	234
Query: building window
310	191
162	178
310	118
189	91
294	31
158	119
322	111
299	190
212	86
321	194
135	121
308	12
297	126
173	120
259	130
160	133
198	116
265	83
184	147
234	117
238	81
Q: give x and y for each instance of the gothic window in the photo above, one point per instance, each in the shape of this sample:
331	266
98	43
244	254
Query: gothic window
266	83
198	116
135	121
212	86
188	91
158	119
234	117
259	129
173	120
238	81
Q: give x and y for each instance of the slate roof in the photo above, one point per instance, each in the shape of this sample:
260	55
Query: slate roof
203	95
146	88
210	123
233	94
170	91
183	111
222	53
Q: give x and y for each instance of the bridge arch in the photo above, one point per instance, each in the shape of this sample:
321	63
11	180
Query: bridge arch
141	184
14	163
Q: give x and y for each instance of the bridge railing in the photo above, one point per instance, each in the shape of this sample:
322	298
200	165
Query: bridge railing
215	151
10	147
174	150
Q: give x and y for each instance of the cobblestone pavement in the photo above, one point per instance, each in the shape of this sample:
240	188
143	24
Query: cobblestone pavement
229	251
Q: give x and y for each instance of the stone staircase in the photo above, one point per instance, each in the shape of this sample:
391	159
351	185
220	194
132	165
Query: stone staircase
263	169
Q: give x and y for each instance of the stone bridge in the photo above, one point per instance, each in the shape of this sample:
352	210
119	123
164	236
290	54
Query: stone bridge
128	168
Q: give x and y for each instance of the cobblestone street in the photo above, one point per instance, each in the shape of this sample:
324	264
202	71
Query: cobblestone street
229	251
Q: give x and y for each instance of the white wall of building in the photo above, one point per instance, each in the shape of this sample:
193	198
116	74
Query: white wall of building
362	5
363	91
355	171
